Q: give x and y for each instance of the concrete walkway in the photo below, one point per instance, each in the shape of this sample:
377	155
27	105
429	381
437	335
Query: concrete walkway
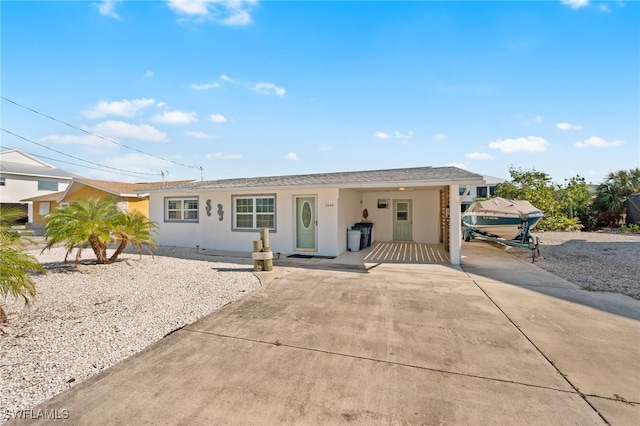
497	342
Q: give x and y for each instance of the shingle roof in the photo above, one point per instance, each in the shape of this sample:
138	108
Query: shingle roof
370	178
9	167
122	188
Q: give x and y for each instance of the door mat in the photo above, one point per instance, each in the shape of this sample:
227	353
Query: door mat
309	256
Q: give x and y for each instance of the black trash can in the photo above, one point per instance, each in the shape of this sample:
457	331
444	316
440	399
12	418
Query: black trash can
367	230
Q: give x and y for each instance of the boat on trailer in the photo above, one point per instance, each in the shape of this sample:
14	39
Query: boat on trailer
504	221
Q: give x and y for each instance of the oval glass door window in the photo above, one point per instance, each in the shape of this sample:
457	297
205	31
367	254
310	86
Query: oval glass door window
306	215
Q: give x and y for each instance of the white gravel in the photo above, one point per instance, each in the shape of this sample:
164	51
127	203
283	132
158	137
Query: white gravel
83	321
596	261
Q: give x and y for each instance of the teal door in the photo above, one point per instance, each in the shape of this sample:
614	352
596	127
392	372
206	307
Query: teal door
306	223
402	220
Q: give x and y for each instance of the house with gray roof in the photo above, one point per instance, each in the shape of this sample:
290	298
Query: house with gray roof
24	176
312	214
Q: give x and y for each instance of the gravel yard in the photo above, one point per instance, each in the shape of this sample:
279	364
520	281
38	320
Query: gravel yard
597	261
83	321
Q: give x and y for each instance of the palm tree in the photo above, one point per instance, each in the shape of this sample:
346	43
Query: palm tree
15	264
95	223
82	223
135	229
611	196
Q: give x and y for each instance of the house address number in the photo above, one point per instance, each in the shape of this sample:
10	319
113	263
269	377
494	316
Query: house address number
328	204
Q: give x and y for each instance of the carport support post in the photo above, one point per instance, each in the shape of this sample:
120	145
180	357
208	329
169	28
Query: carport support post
455	226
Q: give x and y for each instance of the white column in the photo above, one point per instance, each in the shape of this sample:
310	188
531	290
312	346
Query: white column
455	230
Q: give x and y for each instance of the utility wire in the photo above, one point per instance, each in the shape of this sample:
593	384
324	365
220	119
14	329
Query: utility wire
97	135
77	158
78	165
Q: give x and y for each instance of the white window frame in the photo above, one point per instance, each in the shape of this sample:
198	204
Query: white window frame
254	213
44	208
184	209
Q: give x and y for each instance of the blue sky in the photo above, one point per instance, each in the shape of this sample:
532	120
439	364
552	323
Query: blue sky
248	88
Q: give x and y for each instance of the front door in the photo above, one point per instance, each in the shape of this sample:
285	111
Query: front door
402	220
306	223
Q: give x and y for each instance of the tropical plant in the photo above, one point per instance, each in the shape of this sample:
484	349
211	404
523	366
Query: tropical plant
611	197
95	223
134	229
15	264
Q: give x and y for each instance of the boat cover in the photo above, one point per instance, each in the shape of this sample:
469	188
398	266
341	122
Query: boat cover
497	205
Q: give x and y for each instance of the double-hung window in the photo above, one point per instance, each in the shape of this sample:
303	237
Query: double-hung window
253	212
181	209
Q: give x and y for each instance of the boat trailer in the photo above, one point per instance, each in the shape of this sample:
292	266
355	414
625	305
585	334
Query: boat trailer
523	240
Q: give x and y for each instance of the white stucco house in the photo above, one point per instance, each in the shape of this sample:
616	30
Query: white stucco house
485	190
24	176
312	213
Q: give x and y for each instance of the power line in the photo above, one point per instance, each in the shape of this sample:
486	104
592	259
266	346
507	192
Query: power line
78	165
97	135
77	158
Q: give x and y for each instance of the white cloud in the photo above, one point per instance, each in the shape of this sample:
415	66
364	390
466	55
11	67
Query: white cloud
123	108
292	156
120	129
567	126
226	78
598	142
107	8
224	12
87	141
205	86
222	156
188	7
575	4
407	135
175	117
200	135
268	88
479	156
149	74
138	163
324	147
529	144
381	135
441	136
218	118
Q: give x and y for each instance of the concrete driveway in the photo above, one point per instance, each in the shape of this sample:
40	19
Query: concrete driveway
500	342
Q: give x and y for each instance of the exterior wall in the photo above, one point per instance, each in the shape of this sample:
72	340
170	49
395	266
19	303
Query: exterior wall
18	188
211	233
19	157
455	230
425	213
138	205
37	217
349	212
85	192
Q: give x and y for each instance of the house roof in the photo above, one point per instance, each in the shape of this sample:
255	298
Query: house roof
121	189
416	176
17	156
54	196
11	168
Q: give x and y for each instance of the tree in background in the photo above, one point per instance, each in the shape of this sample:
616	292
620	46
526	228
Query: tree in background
95	223
15	264
611	197
561	205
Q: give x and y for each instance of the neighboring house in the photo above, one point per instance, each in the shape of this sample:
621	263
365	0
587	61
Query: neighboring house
485	190
81	188
312	213
24	176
